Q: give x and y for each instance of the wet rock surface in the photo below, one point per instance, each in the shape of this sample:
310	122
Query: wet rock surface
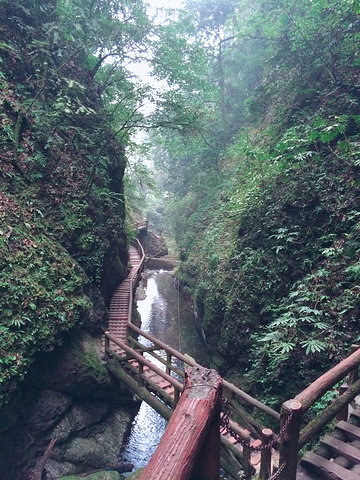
80	417
42	409
69	395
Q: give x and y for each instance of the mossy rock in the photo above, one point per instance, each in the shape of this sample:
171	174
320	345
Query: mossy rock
135	475
75	367
104	475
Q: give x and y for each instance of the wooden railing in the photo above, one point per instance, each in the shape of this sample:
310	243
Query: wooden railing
173	363
293	411
134	282
290	438
190	446
141	251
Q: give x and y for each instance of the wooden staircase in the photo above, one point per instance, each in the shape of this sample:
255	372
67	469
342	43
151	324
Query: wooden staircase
338	455
120	306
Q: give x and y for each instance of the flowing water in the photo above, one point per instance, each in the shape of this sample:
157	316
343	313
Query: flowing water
166	315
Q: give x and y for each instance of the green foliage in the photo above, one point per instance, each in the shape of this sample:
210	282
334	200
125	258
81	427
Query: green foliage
42	292
260	164
67	115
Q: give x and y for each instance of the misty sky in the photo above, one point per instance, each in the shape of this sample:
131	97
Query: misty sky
165	3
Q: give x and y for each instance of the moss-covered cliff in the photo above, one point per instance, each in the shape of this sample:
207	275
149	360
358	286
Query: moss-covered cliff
62	237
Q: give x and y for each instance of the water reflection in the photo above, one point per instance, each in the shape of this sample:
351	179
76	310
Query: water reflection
166	315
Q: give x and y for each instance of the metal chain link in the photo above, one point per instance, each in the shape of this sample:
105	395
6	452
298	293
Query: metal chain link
225	426
277	473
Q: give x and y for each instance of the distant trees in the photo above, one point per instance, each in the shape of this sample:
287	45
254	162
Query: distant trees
267	145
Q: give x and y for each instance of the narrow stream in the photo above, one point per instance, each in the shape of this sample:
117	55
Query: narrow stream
166	315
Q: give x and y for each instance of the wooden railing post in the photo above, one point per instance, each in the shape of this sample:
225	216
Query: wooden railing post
290	420
265	464
344	413
190	446
353	376
168	363
176	396
141	365
246	458
128	334
107	346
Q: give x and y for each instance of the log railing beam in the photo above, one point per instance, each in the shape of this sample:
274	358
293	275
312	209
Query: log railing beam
320	386
190	446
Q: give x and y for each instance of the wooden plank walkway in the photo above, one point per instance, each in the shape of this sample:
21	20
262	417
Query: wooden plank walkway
338	455
120	305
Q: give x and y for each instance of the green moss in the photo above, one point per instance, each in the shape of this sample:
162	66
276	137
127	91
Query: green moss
135	475
95	476
41	290
91	366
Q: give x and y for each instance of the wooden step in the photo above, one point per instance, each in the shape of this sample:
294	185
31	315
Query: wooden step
356	414
304	474
342	448
351	431
327	469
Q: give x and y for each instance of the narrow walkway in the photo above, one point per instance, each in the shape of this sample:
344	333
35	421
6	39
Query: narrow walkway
121	302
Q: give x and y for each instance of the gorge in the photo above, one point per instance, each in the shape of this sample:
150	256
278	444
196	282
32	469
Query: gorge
248	164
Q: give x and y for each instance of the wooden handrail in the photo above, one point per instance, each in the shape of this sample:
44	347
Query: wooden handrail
191	362
134	281
175	383
330	412
150	351
141	250
320	386
250	400
190	446
183	358
131	296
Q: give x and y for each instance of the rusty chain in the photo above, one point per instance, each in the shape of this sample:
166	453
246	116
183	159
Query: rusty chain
225	426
